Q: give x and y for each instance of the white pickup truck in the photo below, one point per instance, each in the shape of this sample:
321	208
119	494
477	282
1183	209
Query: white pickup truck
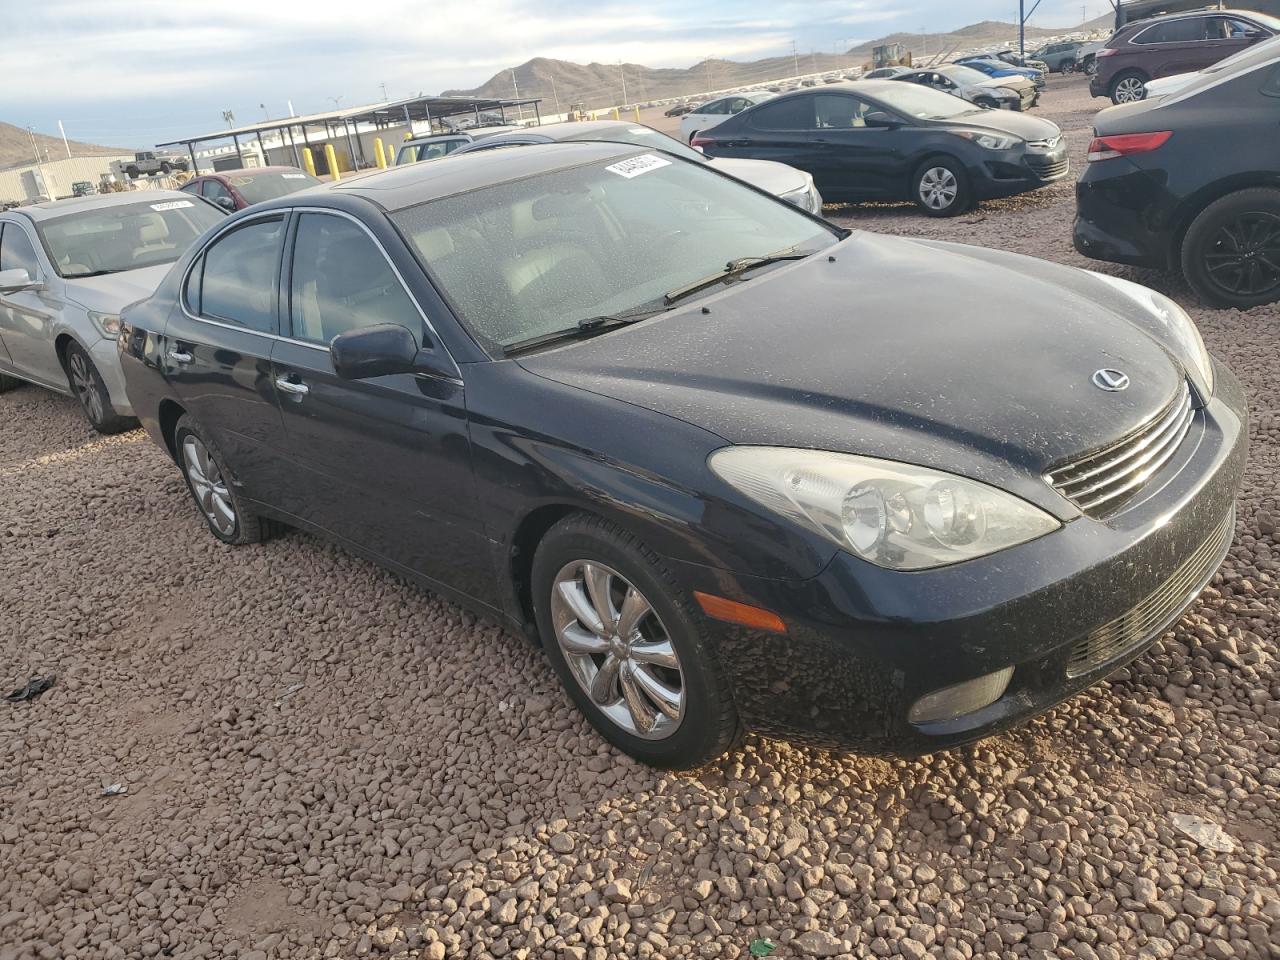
148	163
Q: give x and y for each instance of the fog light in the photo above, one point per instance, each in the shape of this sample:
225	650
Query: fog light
960	698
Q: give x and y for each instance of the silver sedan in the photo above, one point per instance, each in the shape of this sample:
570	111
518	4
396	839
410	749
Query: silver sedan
67	268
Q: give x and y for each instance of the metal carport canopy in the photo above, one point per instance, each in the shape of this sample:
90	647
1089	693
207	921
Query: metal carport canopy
413	108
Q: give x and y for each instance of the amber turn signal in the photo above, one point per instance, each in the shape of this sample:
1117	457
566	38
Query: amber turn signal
730	611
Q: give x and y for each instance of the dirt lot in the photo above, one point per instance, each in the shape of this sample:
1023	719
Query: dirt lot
322	761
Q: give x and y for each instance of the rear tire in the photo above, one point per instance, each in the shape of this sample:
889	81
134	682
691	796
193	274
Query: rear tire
940	187
87	386
614	667
1231	253
1128	87
226	514
133	172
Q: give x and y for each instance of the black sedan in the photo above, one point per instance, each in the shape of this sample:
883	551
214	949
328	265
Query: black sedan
693	441
1191	181
882	140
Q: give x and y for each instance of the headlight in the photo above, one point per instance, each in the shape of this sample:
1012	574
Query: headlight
1179	329
895	515
990	141
108	324
806	198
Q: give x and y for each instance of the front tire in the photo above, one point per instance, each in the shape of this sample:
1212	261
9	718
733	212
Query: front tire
940	187
629	645
1231	253
229	518
1128	87
86	383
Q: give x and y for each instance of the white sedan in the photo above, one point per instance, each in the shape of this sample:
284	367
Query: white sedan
715	112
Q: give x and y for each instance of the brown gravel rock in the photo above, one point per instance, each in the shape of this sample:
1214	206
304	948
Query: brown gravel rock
323	761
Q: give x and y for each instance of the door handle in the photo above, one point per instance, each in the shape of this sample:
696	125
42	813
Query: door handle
180	356
292	387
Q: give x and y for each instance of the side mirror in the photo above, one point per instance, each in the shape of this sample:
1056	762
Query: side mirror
878	118
226	203
380	351
16	280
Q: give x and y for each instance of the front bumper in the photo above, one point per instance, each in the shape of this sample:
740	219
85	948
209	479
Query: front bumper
106	358
1008	172
864	644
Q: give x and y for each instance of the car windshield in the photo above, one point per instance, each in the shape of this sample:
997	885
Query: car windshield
127	237
541	254
961	74
642	136
923	103
257	187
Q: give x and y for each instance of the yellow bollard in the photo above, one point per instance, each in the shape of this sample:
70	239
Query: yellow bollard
379	157
332	159
616	115
637	114
308	161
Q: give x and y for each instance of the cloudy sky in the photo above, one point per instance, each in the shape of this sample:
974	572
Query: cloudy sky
138	72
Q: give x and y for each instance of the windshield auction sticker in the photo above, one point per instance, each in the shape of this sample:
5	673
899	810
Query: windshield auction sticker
635	166
172	205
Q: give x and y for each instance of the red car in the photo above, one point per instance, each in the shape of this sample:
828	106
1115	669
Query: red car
236	189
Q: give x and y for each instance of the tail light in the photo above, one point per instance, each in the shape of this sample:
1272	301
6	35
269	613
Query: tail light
1126	145
701	142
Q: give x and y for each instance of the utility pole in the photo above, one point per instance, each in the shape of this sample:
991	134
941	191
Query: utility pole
1022	28
516	87
554	94
35	152
385	98
795	60
66	145
707	64
924	42
622	72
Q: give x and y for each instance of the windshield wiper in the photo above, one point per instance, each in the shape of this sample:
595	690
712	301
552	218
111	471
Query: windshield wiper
736	268
91	273
587	327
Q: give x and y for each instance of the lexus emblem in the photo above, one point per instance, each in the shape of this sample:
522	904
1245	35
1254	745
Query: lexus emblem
1113	381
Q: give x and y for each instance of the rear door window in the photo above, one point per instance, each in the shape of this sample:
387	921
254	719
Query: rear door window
240	271
793	113
1174	31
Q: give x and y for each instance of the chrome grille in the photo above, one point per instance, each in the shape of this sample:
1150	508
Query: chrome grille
1044	144
1101	482
1132	629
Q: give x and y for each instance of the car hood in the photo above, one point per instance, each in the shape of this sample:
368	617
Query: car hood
961	358
767	175
113	292
1008	121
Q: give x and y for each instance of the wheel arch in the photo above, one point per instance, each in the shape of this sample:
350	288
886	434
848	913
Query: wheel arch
168	415
529	532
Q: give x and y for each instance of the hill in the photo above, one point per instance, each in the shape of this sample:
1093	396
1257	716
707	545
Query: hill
560	82
15	147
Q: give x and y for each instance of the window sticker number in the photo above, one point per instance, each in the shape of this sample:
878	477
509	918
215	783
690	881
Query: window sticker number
172	205
636	166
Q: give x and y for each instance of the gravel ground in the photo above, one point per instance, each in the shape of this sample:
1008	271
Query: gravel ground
323	761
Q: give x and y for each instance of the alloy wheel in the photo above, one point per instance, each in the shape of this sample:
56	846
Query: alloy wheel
86	386
938	188
618	649
208	485
1130	90
1243	257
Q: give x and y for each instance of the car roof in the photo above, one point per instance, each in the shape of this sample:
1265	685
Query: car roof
398	187
49	209
568	130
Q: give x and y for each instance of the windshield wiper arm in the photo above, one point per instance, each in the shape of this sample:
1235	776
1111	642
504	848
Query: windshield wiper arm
735	268
91	273
588	326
